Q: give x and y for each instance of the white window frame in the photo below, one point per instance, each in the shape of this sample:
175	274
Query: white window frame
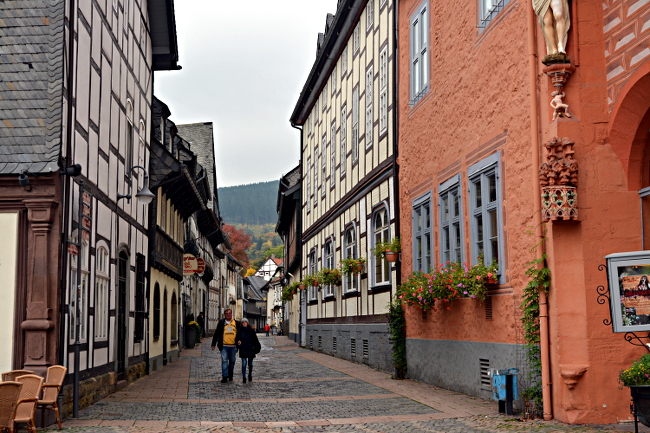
422	219
316	112
328	258
344	62
344	140
324	99
370	14
308	177
381	233
313	270
450	204
323	166
481	234
419	33
383	90
370	85
355	124
83	295
333	154
333	86
351	282
356	38
102	279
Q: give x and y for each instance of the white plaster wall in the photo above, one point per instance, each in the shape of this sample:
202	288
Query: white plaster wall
8	252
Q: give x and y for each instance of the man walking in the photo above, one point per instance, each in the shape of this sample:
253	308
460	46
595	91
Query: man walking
201	321
224	338
267	328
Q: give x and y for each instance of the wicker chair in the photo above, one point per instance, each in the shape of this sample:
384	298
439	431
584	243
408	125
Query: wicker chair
51	389
12	375
26	409
9	392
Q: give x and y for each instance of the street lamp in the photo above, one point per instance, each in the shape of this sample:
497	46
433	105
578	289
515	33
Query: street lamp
144	196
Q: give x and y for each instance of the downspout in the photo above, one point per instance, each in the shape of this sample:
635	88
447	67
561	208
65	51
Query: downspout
299	239
537	215
396	111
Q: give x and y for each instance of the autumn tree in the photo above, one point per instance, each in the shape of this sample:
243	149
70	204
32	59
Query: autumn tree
240	241
250	272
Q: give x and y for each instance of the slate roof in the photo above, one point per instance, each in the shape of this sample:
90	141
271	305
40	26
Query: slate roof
31	84
201	139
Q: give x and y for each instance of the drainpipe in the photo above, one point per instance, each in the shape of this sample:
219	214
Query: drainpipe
396	111
537	215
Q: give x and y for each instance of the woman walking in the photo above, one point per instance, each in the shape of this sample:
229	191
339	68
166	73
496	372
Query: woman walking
248	346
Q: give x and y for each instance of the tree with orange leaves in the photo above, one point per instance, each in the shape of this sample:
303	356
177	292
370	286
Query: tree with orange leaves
240	241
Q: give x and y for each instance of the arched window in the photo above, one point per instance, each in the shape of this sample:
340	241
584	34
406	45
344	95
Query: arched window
381	234
351	281
156	312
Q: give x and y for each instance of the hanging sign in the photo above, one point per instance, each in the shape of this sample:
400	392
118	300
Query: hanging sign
190	264
200	265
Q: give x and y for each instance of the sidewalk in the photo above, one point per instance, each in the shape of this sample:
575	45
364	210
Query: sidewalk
295	390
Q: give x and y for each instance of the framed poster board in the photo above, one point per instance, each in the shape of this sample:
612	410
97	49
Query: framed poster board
629	290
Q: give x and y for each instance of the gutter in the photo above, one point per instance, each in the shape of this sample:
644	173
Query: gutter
537	215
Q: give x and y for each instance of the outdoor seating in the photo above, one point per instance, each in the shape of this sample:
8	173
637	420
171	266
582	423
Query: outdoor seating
9	393
13	374
51	388
26	410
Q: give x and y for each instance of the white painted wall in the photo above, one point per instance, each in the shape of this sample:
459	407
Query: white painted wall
8	252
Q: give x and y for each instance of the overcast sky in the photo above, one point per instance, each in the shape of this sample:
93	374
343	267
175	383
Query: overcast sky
244	65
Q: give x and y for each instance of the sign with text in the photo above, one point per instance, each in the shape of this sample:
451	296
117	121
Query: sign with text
629	290
190	264
200	265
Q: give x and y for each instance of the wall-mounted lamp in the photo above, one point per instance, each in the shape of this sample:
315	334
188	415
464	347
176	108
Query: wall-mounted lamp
73	170
23	178
144	196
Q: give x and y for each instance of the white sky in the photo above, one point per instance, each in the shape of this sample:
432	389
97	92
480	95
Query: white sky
244	65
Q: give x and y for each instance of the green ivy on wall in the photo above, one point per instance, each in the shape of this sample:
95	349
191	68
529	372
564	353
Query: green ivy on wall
397	325
539	279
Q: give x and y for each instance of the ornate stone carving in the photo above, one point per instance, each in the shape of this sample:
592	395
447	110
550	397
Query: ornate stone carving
571	374
558	177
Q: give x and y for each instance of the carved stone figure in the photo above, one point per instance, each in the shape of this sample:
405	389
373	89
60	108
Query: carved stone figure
561	109
555	21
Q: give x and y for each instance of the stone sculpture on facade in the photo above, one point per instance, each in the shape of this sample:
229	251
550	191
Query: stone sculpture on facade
559	178
555	21
560	108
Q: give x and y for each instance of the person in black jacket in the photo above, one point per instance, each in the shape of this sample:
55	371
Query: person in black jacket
225	338
248	346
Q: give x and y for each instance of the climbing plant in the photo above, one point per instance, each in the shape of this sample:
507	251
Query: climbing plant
397	325
539	279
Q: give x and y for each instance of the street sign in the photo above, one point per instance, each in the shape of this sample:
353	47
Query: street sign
200	265
190	264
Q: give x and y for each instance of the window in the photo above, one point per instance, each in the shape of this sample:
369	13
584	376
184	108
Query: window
140	307
316	112
309	125
355	124
485	210
420	53
308	177
328	255
351	281
488	10
381	232
370	84
315	170
451	217
344	139
422	245
323	166
370	13
344	62
101	294
383	90
79	290
356	39
333	86
313	270
333	153
324	99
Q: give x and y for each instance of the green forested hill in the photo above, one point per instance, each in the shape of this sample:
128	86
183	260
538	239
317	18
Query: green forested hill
249	204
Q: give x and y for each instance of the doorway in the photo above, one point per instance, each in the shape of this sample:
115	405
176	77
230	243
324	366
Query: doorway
121	342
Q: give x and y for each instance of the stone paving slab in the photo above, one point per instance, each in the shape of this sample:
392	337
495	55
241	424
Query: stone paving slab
296	391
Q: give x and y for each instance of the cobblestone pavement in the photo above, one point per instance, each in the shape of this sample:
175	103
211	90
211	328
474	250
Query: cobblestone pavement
294	390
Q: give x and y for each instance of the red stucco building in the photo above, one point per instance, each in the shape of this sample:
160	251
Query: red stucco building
475	126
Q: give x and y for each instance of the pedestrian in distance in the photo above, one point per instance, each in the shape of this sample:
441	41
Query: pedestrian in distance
248	345
267	328
225	337
201	321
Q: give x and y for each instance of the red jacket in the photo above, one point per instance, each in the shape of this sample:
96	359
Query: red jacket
267	328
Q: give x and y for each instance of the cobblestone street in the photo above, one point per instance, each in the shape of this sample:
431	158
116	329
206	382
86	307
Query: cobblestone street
294	390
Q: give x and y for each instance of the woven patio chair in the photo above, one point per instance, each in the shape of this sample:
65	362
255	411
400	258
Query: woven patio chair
51	389
9	392
26	410
12	375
